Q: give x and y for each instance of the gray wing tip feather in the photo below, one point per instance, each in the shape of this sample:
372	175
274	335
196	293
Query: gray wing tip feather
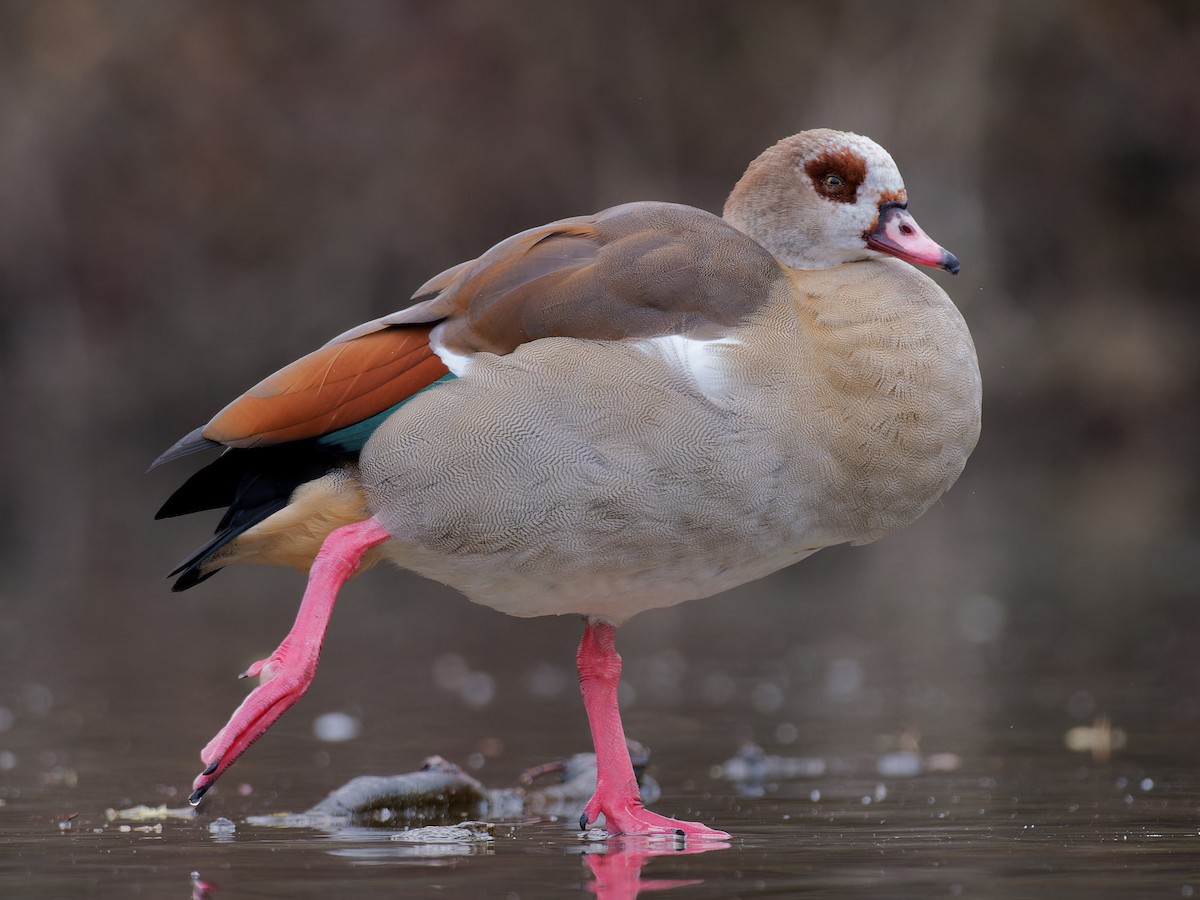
192	442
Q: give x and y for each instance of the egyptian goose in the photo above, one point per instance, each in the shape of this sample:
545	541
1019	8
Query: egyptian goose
605	415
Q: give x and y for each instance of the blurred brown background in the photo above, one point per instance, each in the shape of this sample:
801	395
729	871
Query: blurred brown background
194	193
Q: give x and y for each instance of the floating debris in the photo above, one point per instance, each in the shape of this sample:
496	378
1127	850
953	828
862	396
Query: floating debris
752	770
60	775
144	829
439	790
146	813
943	762
752	767
442	792
1100	739
899	764
464	833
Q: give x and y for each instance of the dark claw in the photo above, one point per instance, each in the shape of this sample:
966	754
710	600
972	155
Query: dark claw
583	822
197	794
216	762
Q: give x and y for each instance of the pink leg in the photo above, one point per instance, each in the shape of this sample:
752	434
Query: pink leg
617	794
286	674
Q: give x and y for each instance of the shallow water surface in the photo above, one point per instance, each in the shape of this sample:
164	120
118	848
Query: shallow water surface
900	784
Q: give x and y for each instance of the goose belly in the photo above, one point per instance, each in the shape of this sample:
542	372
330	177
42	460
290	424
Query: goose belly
622	488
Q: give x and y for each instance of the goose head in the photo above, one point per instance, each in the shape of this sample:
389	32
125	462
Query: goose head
823	198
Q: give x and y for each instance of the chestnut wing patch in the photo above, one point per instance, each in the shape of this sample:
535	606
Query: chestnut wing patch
332	388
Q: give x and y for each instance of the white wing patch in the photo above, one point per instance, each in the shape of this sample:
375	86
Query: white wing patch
703	360
457	363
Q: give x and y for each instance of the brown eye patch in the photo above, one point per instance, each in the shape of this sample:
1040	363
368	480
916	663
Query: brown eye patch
837	174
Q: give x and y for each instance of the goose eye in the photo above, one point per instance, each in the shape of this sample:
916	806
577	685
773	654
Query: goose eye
834	182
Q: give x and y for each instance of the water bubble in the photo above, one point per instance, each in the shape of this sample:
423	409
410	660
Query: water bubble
786	733
767	696
843	678
662	675
477	689
900	764
451	673
38	699
717	688
222	827
1081	704
336	726
546	682
626	694
981	619
449	670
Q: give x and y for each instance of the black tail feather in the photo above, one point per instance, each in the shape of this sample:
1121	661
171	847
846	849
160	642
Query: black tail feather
253	484
231	526
191	578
